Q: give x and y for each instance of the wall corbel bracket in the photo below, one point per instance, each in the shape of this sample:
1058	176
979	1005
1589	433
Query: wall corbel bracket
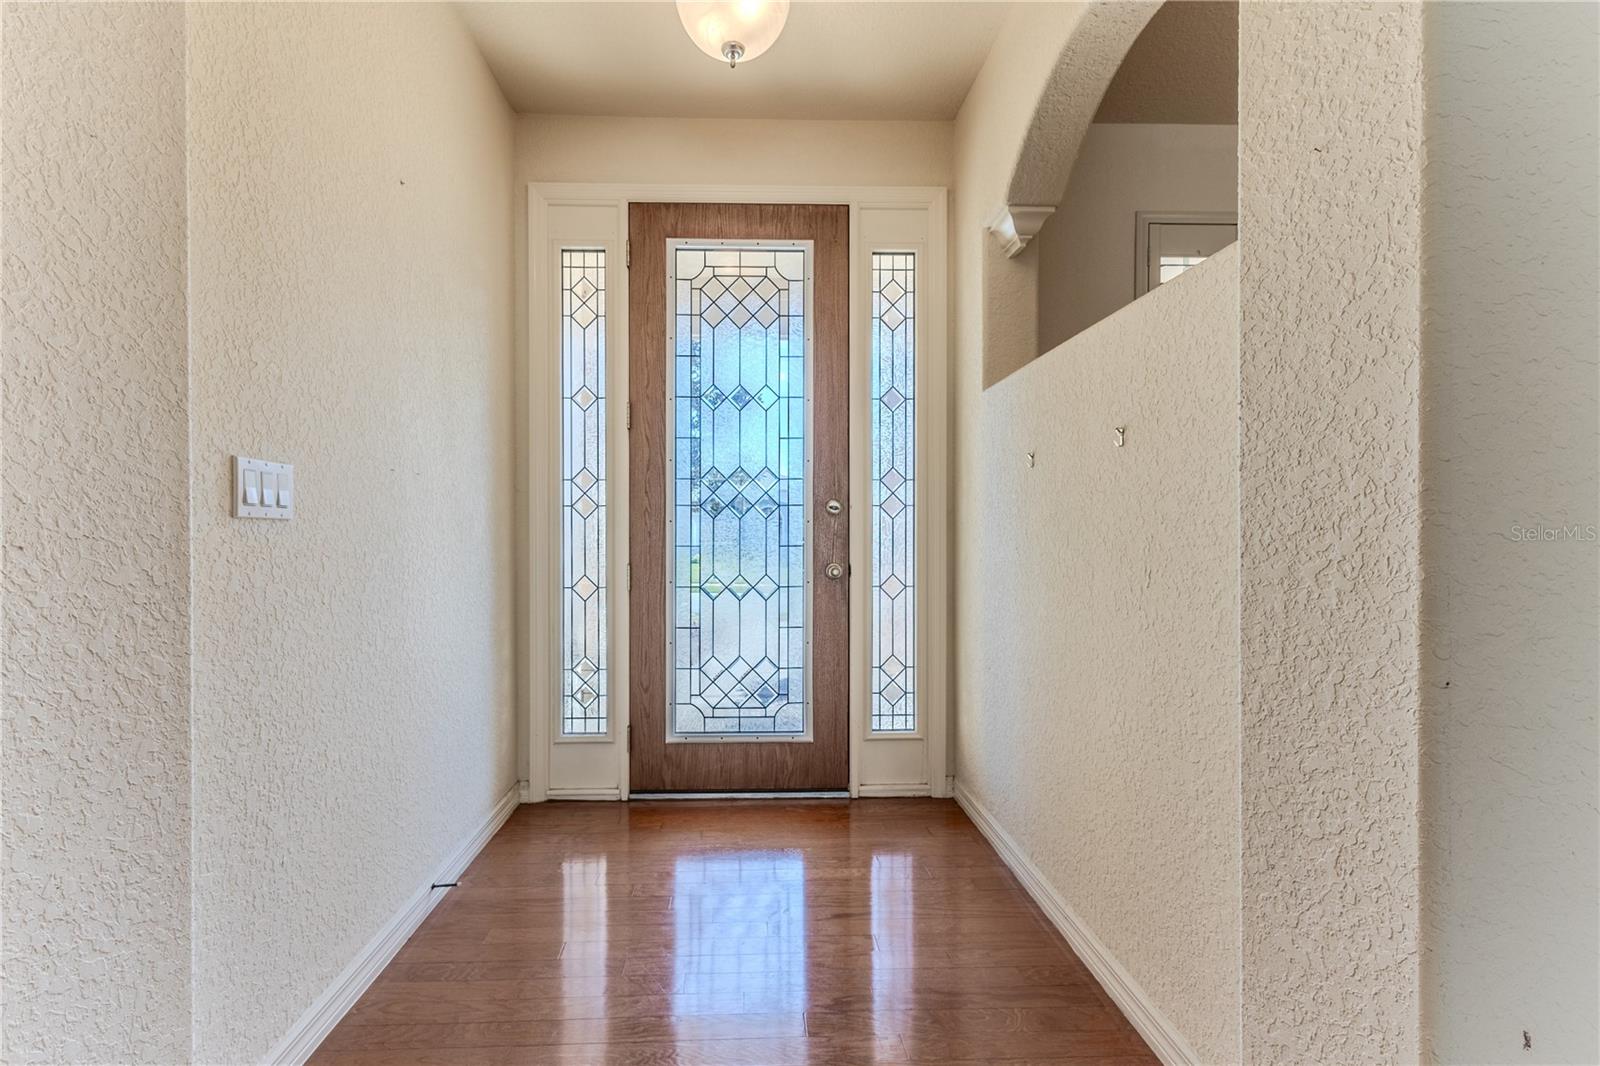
1017	224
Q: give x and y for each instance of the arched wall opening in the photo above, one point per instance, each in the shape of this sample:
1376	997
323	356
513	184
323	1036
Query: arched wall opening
1066	107
1131	158
1155	188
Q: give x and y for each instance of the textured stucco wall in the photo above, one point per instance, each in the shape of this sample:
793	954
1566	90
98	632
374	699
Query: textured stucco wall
1511	419
991	124
1103	645
96	566
350	256
1097	709
1087	249
688	151
1330	158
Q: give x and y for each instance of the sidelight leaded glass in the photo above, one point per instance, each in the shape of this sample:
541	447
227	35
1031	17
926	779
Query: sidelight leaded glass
894	372
738	489
584	710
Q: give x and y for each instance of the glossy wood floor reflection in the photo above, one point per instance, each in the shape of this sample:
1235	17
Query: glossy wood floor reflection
757	933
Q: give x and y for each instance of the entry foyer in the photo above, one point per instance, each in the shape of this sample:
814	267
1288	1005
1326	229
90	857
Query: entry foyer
767	532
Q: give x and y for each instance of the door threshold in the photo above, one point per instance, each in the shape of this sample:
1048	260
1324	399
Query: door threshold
842	793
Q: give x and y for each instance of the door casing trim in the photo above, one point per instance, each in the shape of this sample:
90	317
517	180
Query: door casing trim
567	766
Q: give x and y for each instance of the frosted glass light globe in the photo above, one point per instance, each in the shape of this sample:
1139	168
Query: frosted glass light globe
736	30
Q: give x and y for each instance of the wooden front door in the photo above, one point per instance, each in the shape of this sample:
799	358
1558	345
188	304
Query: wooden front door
738	342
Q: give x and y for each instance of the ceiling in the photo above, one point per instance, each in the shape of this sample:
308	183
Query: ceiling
835	60
1183	68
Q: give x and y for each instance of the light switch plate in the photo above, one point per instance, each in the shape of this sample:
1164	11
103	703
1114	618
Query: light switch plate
277	504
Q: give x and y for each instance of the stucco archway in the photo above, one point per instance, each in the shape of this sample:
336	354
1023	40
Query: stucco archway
1090	58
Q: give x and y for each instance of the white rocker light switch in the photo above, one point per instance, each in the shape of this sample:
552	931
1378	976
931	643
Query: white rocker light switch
262	489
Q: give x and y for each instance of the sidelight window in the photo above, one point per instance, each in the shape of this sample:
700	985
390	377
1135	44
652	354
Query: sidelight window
584	673
894	372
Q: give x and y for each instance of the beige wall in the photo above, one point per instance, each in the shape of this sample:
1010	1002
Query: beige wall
1086	249
1511	398
665	151
1326	844
656	151
1100	724
96	565
1330	339
351	312
1097	714
989	132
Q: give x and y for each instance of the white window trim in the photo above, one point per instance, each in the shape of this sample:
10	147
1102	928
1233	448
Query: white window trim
595	215
1143	220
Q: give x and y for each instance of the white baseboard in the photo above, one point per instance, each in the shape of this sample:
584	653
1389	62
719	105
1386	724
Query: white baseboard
524	792
583	794
335	1002
885	791
1165	1040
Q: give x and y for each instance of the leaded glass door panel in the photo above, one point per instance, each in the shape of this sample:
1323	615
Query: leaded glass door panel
739	381
738	517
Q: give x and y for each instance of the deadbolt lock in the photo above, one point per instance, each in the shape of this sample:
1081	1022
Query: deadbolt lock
835	507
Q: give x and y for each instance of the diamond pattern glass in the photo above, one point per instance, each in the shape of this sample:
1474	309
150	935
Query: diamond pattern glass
738	489
894	366
584	673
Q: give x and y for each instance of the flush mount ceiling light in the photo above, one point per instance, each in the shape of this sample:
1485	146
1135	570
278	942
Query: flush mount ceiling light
738	31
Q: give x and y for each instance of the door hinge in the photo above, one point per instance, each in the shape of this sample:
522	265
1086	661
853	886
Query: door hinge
627	253
630	577
630	738
629	415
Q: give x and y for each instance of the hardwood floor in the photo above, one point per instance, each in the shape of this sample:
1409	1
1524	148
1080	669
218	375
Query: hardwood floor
756	933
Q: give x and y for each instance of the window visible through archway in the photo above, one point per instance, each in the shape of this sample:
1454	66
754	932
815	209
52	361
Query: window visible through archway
1159	161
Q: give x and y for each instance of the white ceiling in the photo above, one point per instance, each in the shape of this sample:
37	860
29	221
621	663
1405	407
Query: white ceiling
837	60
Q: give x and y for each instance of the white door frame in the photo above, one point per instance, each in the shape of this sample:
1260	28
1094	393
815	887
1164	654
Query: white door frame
894	218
